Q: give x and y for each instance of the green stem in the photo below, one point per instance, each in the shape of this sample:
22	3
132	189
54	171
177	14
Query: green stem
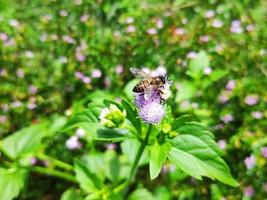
52	172
56	162
139	154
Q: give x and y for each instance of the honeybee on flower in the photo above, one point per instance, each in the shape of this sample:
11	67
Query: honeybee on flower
150	95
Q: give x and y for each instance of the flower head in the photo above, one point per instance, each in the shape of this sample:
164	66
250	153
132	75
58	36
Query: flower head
250	162
112	117
152	110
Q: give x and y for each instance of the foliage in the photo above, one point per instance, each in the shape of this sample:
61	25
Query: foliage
63	62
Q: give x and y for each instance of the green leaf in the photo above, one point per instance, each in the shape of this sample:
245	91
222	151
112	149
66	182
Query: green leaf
25	141
178	122
112	166
71	194
198	64
195	157
141	193
111	135
132	115
81	120
88	180
186	91
158	155
162	193
11	182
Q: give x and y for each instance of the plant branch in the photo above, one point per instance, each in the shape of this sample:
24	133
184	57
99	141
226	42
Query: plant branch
52	172
139	153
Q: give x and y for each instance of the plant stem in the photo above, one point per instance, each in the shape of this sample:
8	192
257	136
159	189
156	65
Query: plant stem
52	172
56	162
139	153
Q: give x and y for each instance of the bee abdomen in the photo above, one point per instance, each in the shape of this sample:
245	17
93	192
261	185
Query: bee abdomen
139	88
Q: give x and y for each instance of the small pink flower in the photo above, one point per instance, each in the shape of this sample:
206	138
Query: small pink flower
251	99
96	73
29	54
249	191
3	119
224	98
129	20
227	118
32	89
20	73
78	2
63	59
264	152
33	161
63	13
16	104
119	69
43	37
222	144
80	132
84	18
152	31
250	27
130	29
219	48
230	85
207	70
250	162
217	23
79	75
191	55
3	37
209	14
73	143
79	56
14	23
257	114
179	31
68	39
159	23
111	146
204	38
86	79
236	27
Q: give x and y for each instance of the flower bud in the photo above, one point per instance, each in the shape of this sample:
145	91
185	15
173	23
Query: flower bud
112	117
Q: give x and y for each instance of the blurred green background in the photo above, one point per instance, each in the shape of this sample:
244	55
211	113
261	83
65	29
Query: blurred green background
58	55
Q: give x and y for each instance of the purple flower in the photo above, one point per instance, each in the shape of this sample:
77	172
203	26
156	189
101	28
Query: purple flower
249	191
130	29
251	100
73	143
257	114
264	152
80	132
227	118
159	23
250	27
32	89
63	13
179	31
209	14
111	146
236	27
79	75
152	31
222	144
204	38
151	110
207	70
129	20
250	162
20	73
16	104
230	85
33	161
119	69
68	39
3	37
84	18
3	119
79	56
217	23
191	54
96	73
86	79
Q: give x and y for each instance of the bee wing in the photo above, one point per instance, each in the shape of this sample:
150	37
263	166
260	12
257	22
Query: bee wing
148	92
139	73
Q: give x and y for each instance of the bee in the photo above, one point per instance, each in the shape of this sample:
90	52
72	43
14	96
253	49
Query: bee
149	84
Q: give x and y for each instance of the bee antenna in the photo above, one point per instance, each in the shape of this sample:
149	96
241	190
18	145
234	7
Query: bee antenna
166	77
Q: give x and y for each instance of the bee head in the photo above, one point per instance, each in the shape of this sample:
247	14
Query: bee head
163	78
